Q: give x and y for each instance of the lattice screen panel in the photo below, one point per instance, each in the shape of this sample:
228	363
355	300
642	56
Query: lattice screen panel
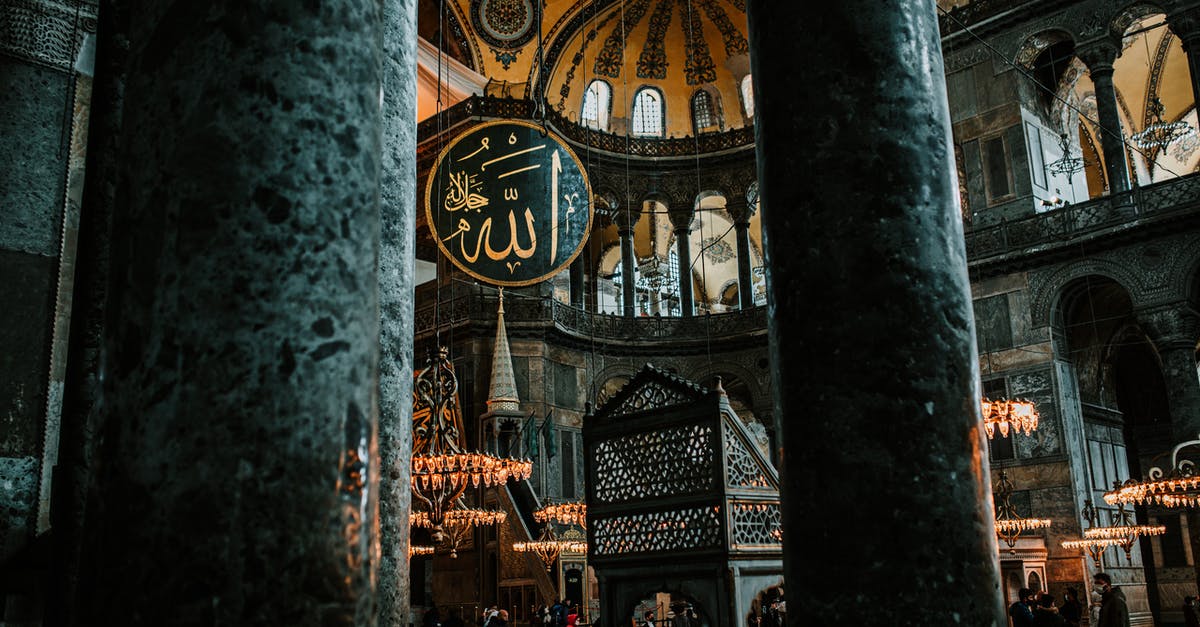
654	464
743	470
756	524
691	528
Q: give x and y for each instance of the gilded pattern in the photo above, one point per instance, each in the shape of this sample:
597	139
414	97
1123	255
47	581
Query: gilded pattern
565	91
735	41
612	55
653	61
699	67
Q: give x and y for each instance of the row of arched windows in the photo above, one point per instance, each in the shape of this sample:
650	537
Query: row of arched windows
649	109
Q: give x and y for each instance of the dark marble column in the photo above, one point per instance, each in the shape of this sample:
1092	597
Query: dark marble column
872	341
576	270
1186	26
1174	330
239	465
741	212
1099	57
396	255
628	268
681	219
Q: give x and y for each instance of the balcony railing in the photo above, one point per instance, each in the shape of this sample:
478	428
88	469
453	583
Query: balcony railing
520	312
1074	221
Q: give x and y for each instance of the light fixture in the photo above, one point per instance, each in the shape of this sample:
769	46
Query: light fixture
1009	524
1094	548
441	469
462	517
1123	530
415	550
548	548
1068	164
1177	486
1015	415
1160	133
563	513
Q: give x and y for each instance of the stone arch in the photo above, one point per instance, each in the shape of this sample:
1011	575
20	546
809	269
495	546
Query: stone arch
1037	43
1130	14
1046	291
1185	273
704	373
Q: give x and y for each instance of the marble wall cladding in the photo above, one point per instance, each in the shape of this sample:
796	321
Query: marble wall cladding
566	386
25	313
1038	386
18	495
242	367
993	323
35	104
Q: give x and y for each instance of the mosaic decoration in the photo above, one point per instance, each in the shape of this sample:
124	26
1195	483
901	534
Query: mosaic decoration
735	41
565	91
743	470
655	464
612	55
504	23
698	67
717	250
756	524
690	528
740	5
505	57
653	61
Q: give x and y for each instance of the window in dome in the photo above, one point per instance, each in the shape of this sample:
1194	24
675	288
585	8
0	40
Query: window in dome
704	115
648	113
596	104
748	96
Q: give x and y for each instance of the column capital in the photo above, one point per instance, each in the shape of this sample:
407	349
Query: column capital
1171	326
1099	56
682	217
740	210
625	221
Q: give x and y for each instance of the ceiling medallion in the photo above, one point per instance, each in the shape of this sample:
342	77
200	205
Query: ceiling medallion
504	23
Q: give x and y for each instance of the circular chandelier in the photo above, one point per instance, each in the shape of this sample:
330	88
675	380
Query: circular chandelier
1123	530
441	469
1009	524
1068	165
462	517
1160	133
1009	415
547	547
1178	486
563	513
1095	548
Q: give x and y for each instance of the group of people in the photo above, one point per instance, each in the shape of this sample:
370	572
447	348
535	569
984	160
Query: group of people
433	618
561	614
1038	610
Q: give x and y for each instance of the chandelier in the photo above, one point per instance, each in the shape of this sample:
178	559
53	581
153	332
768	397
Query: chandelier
1009	524
461	517
1160	133
1123	530
1095	548
563	513
1016	415
417	549
441	469
1178	486
547	547
1068	164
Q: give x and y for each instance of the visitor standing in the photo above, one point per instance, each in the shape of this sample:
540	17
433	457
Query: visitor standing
1046	615
1114	612
1072	609
1022	611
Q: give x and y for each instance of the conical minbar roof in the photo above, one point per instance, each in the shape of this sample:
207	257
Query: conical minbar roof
502	394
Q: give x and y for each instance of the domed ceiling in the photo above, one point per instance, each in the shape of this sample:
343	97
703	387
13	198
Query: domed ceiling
677	46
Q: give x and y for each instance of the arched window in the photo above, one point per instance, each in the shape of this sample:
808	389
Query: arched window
596	103
704	115
748	96
648	113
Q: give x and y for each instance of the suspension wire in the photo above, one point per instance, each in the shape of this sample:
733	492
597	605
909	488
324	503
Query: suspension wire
1095	122
437	261
589	261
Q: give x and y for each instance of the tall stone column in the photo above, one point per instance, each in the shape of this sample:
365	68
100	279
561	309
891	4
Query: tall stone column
576	270
741	212
239	465
628	266
1175	329
1099	57
396	257
885	475
682	221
